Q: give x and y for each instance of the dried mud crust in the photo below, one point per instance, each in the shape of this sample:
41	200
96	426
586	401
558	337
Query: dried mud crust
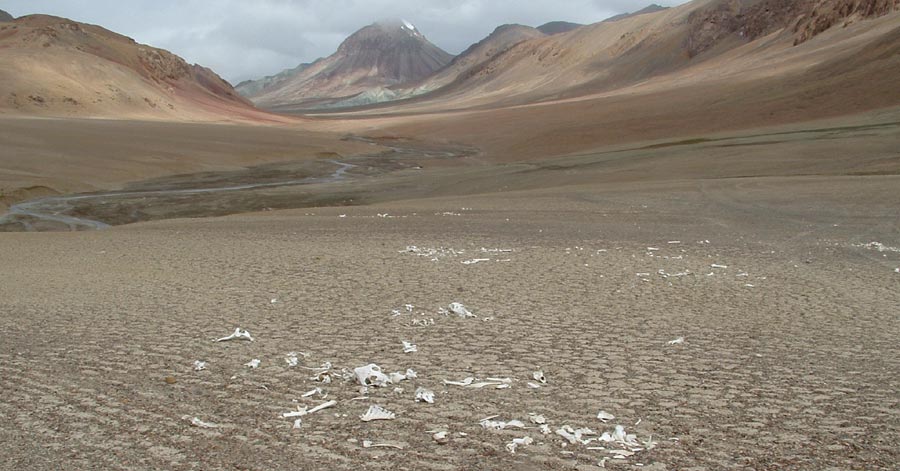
798	371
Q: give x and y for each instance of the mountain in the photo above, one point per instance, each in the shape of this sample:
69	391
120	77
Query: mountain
470	60
652	8
4	17
558	27
381	55
58	67
467	62
255	87
613	55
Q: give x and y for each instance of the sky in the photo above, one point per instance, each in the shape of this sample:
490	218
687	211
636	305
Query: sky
244	39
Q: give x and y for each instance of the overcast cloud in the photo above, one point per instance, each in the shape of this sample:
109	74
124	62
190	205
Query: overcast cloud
243	39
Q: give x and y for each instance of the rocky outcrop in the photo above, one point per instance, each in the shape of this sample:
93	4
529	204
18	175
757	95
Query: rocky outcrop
747	20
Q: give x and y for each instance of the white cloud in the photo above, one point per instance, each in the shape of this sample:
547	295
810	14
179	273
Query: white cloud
242	39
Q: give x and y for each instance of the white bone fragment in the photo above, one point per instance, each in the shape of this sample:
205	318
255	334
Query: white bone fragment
678	341
312	392
298	423
324	405
517	442
619	436
199	365
424	395
464	382
199	423
716	265
605	416
621	453
440	437
539	377
575	435
291	359
302	411
534	385
545	429
377	412
482	384
254	363
460	310
475	260
396	377
537	418
371	444
409	347
490	424
238	334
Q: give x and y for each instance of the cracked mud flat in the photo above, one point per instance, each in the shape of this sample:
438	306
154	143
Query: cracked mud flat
799	371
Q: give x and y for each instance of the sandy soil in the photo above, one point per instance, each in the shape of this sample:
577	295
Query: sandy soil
789	359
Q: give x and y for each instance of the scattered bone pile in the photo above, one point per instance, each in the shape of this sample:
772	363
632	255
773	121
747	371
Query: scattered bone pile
615	443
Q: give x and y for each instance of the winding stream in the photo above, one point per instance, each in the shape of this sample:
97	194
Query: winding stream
52	208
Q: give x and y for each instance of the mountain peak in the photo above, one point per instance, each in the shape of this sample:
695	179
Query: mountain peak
4	16
381	55
395	25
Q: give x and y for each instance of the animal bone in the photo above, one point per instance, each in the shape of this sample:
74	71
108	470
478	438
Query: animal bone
424	395
460	310
302	411
409	347
377	412
516	442
464	382
199	365
371	375
605	416
254	363
489	424
199	423
370	444
237	335
539	377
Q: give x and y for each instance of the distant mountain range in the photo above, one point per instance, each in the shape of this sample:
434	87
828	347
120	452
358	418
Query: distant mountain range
55	66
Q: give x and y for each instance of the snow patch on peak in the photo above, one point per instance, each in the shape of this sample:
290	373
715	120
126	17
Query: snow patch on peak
410	28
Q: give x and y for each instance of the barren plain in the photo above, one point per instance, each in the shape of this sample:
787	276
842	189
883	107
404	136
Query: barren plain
780	274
